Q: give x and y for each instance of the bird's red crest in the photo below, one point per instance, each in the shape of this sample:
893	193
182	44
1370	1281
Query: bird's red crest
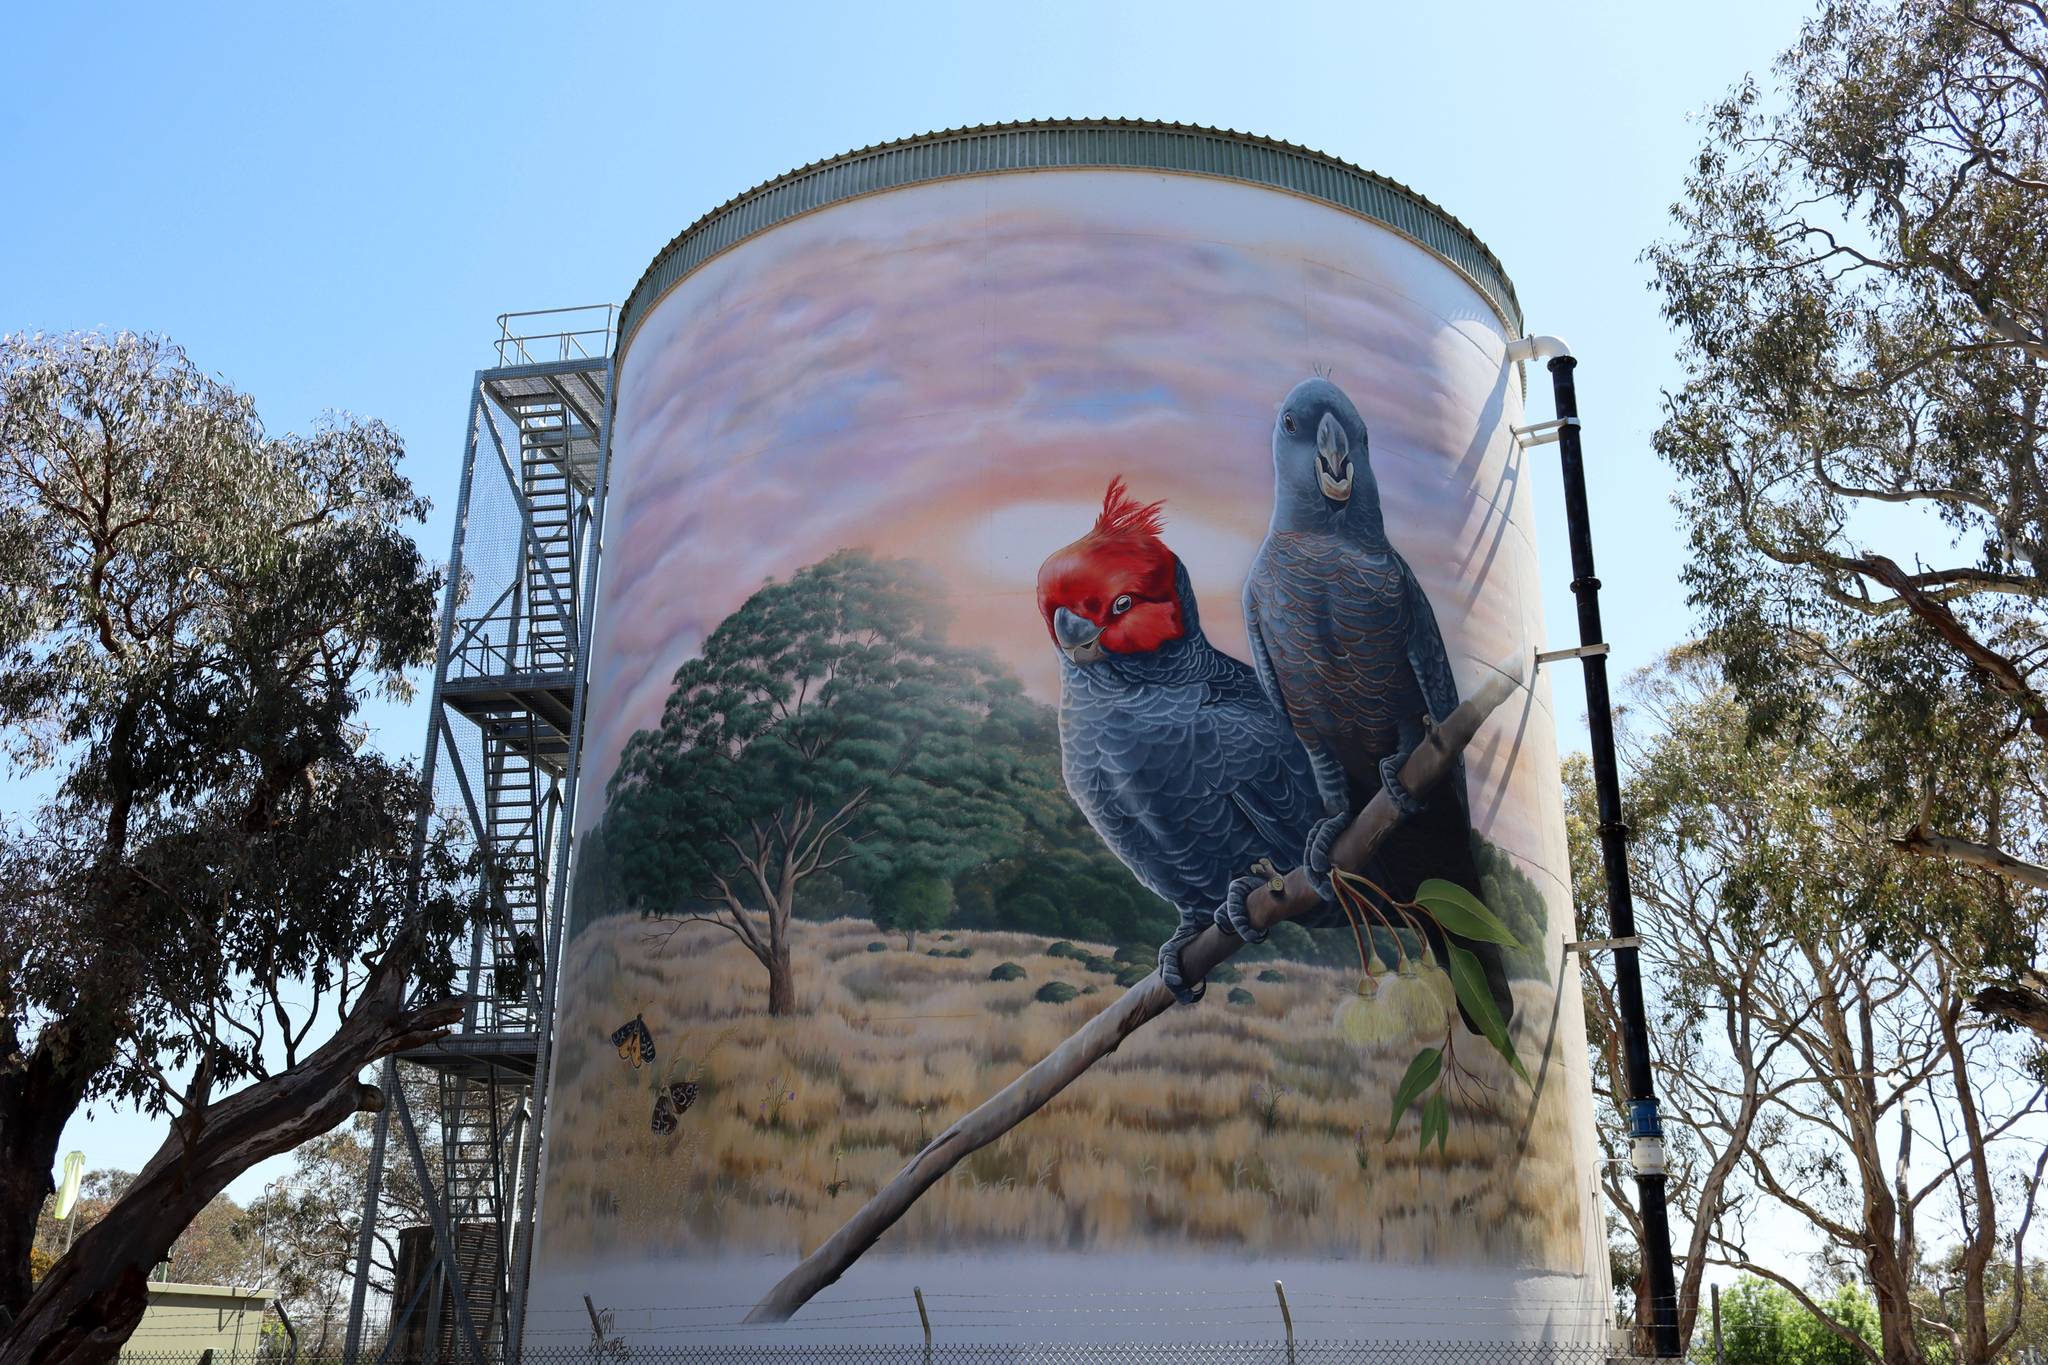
1124	515
1120	578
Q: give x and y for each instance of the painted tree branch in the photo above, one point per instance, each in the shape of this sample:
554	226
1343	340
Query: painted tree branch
1431	762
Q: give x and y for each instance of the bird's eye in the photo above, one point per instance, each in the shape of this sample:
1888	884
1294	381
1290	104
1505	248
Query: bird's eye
1121	605
1287	422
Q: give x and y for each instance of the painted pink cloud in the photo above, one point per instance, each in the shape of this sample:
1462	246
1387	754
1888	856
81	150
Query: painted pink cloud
953	374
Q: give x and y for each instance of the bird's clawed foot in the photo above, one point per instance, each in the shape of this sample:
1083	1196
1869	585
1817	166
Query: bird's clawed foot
1233	916
1169	959
1315	855
1390	778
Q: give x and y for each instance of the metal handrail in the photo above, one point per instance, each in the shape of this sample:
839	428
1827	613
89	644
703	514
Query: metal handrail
524	343
475	653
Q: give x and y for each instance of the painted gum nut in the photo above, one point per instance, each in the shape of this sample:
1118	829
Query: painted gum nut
1402	1007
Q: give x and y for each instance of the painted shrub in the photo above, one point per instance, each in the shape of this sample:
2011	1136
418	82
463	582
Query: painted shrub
912	738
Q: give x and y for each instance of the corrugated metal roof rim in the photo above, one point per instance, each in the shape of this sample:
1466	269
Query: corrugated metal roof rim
1132	144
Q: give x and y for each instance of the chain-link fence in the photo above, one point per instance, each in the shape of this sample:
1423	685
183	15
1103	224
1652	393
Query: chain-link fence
1149	1353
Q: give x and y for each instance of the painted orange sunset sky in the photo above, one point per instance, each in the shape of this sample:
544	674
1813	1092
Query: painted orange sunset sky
954	373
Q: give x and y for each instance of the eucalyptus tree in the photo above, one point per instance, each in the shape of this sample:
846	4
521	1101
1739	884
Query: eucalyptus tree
826	724
1859	279
1815	1066
215	913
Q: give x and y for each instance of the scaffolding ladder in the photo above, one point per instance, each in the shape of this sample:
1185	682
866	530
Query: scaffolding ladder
503	730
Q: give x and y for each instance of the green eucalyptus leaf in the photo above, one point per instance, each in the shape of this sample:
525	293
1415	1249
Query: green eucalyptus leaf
1422	1074
1468	979
1436	1121
1462	913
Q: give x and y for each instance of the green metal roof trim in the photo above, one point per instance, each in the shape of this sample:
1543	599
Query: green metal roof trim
1073	144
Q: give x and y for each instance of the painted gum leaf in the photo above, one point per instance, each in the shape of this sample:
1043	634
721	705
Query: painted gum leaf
1422	1074
1468	979
1462	913
1436	1122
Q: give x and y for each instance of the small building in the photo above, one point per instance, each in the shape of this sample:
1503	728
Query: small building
188	1319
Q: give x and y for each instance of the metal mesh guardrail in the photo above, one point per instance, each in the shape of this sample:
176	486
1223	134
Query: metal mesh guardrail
1149	1353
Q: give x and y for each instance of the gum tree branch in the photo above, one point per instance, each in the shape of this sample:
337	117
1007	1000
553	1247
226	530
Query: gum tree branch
1925	843
1436	757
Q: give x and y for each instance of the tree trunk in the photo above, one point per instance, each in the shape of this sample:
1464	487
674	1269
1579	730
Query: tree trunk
40	1092
31	1125
781	980
1894	1315
38	1095
92	1299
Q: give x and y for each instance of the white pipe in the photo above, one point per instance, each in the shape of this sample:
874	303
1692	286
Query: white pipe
1536	348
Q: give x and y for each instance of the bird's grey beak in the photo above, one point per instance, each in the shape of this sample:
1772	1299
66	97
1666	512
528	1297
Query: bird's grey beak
1079	637
1333	459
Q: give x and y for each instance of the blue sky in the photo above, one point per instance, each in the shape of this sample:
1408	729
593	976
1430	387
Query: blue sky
328	205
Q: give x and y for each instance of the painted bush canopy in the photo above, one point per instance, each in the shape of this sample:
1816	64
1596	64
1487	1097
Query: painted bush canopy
1005	577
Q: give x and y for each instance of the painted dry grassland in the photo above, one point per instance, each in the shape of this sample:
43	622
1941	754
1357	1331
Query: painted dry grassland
1182	1138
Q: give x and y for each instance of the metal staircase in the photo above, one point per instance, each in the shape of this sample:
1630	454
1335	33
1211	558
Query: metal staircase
546	431
519	804
503	733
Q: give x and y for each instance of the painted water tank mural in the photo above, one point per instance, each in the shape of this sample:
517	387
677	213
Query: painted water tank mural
1029	567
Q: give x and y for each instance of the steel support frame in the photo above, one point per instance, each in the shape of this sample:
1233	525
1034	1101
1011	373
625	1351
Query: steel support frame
374	1186
568	607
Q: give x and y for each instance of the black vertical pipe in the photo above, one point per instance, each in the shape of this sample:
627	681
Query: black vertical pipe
1646	1130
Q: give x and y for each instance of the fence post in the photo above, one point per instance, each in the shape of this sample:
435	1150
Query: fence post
1286	1317
1719	1358
926	1319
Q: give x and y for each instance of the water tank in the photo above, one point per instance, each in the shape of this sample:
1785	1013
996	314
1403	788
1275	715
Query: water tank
836	882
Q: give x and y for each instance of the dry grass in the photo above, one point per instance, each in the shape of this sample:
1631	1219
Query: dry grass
1163	1143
